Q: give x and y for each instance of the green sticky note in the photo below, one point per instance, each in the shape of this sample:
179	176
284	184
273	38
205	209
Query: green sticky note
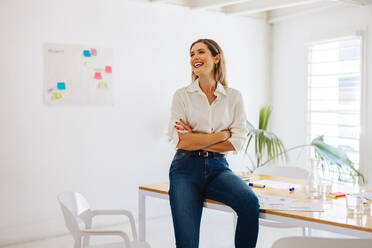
56	96
102	85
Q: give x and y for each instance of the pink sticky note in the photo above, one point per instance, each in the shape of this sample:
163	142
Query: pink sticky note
98	75
93	52
108	69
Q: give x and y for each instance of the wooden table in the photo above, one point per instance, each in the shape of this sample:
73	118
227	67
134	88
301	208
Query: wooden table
334	218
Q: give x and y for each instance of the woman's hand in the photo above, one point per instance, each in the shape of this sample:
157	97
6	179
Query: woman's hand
183	126
226	134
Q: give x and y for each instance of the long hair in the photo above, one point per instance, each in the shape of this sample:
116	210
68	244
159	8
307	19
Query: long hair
220	67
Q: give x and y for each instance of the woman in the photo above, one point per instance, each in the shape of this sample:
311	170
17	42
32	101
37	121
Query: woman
207	122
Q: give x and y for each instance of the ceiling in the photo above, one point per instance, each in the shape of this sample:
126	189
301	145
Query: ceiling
271	10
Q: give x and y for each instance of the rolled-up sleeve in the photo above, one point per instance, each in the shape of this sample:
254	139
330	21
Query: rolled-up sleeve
177	112
238	127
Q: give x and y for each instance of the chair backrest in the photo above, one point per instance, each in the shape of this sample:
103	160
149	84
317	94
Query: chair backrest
311	242
283	171
74	208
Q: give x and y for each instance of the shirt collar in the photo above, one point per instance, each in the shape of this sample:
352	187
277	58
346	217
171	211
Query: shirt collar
194	87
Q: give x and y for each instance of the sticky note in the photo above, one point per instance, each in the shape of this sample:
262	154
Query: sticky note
93	52
56	96
102	85
86	53
97	75
61	85
87	63
108	69
336	194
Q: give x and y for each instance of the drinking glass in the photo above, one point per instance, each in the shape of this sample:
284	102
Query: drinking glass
354	204
313	187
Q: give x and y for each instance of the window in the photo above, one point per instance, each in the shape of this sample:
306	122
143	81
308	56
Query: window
334	97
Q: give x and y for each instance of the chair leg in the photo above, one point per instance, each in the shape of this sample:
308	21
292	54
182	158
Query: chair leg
309	231
77	243
86	238
303	231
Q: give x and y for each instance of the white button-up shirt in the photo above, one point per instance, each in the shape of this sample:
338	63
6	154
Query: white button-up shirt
225	113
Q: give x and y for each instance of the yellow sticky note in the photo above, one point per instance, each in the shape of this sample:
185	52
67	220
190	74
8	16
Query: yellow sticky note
56	96
102	85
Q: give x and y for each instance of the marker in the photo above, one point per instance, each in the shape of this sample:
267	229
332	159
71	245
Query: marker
257	185
291	189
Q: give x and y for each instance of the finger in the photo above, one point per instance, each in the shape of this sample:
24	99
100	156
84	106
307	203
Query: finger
184	122
179	127
185	126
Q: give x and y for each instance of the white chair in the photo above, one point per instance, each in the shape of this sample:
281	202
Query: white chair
283	171
311	242
77	213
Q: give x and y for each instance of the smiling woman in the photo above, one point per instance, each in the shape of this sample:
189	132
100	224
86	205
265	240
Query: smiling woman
202	46
208	121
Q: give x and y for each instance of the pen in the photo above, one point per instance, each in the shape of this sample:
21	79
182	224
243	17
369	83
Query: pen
257	185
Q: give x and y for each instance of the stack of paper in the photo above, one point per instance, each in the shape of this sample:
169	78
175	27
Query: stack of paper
285	203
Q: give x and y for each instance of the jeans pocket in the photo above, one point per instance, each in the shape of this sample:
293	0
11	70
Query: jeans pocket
178	158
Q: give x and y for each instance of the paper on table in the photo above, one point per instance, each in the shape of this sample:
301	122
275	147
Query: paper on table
284	203
277	184
300	206
365	195
274	199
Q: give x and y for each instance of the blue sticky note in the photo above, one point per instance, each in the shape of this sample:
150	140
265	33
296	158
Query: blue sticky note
86	53
61	85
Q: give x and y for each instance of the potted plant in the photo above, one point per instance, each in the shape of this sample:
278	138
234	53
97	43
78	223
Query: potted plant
268	147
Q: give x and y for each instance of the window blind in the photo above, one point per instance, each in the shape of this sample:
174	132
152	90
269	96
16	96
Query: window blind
334	97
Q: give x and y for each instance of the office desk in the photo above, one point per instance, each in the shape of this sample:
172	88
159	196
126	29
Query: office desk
335	217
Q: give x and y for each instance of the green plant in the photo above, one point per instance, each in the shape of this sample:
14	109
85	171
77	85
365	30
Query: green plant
268	145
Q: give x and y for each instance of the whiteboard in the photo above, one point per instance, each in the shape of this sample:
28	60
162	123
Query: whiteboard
78	75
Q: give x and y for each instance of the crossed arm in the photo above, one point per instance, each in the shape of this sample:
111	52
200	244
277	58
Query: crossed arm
214	142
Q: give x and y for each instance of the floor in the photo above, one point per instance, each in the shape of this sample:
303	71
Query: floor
216	232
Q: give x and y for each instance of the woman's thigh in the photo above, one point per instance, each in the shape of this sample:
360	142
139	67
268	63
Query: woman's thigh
231	190
186	187
186	200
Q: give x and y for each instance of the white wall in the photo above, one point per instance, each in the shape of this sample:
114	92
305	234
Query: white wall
103	152
289	84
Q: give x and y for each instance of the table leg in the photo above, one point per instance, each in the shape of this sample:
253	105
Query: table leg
142	215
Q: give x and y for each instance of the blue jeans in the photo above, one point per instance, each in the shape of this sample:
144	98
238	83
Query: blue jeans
193	179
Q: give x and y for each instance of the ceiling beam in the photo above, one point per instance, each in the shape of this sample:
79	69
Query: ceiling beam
354	2
210	4
159	1
264	5
284	14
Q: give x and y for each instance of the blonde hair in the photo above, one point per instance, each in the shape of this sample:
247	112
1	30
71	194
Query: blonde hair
220	67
